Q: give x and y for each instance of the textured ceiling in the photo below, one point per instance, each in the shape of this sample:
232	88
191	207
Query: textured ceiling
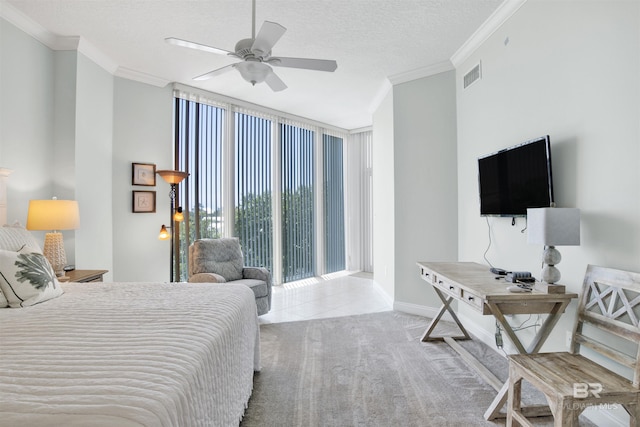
370	39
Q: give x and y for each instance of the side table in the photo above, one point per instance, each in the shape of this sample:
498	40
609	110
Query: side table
83	276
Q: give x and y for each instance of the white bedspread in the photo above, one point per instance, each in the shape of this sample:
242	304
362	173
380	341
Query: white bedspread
130	354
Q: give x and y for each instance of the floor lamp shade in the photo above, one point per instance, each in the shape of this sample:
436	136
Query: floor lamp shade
53	216
553	227
172	177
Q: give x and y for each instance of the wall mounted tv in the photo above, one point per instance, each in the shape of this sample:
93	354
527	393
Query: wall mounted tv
516	178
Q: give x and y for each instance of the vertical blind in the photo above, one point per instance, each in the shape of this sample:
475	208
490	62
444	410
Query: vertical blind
298	242
262	169
199	137
253	219
333	186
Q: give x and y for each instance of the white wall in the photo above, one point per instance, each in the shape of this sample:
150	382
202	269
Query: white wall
56	126
69	128
143	133
93	169
425	183
415	187
26	120
570	70
63	174
383	196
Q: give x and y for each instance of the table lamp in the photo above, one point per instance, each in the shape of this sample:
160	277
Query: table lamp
553	227
54	215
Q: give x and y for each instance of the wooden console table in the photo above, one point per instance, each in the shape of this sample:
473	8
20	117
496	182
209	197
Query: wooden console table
476	286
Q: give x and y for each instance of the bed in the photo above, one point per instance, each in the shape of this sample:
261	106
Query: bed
130	354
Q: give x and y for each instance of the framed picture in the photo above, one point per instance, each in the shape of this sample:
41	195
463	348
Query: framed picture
144	201
144	174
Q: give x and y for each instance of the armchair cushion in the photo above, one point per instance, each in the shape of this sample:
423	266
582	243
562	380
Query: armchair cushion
259	287
206	278
223	256
258	273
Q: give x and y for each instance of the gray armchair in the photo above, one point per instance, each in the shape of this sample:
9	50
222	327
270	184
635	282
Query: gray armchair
220	261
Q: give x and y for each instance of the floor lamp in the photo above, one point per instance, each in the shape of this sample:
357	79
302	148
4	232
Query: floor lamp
173	178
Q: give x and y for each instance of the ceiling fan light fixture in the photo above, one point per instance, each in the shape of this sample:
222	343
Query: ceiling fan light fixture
253	71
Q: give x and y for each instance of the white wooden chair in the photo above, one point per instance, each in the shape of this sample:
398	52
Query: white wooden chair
606	330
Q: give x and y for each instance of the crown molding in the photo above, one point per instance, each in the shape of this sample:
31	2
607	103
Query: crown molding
421	72
97	56
26	24
488	27
383	90
361	129
53	41
127	73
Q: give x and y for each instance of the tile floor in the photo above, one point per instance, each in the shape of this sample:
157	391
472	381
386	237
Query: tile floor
339	294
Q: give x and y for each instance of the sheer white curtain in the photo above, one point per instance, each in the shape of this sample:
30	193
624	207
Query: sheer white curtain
359	204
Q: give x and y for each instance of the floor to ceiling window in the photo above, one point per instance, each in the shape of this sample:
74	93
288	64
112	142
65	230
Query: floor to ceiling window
277	185
198	151
253	217
298	247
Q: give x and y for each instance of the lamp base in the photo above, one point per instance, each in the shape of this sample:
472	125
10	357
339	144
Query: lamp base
54	252
549	288
550	257
550	274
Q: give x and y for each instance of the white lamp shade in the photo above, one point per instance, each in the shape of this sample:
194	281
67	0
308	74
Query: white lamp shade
53	215
553	226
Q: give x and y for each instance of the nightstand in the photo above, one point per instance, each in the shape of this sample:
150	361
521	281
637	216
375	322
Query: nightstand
84	275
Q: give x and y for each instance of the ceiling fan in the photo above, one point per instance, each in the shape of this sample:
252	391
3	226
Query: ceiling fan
255	56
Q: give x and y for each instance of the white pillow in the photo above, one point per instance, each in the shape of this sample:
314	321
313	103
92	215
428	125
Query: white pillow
3	301
15	237
26	278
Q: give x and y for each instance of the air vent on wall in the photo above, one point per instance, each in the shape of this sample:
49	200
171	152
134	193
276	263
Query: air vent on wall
472	76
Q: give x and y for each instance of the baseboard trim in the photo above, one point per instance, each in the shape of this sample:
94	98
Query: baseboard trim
380	290
486	337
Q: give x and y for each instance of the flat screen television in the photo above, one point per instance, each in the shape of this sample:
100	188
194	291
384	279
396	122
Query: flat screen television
516	178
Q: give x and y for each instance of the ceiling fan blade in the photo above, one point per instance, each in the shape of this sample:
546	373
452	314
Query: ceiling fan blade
269	34
213	73
274	82
192	45
305	63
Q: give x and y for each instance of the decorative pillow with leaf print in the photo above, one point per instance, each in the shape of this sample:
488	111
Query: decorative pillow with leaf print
26	278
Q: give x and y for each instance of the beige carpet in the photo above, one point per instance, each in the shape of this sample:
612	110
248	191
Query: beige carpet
368	370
